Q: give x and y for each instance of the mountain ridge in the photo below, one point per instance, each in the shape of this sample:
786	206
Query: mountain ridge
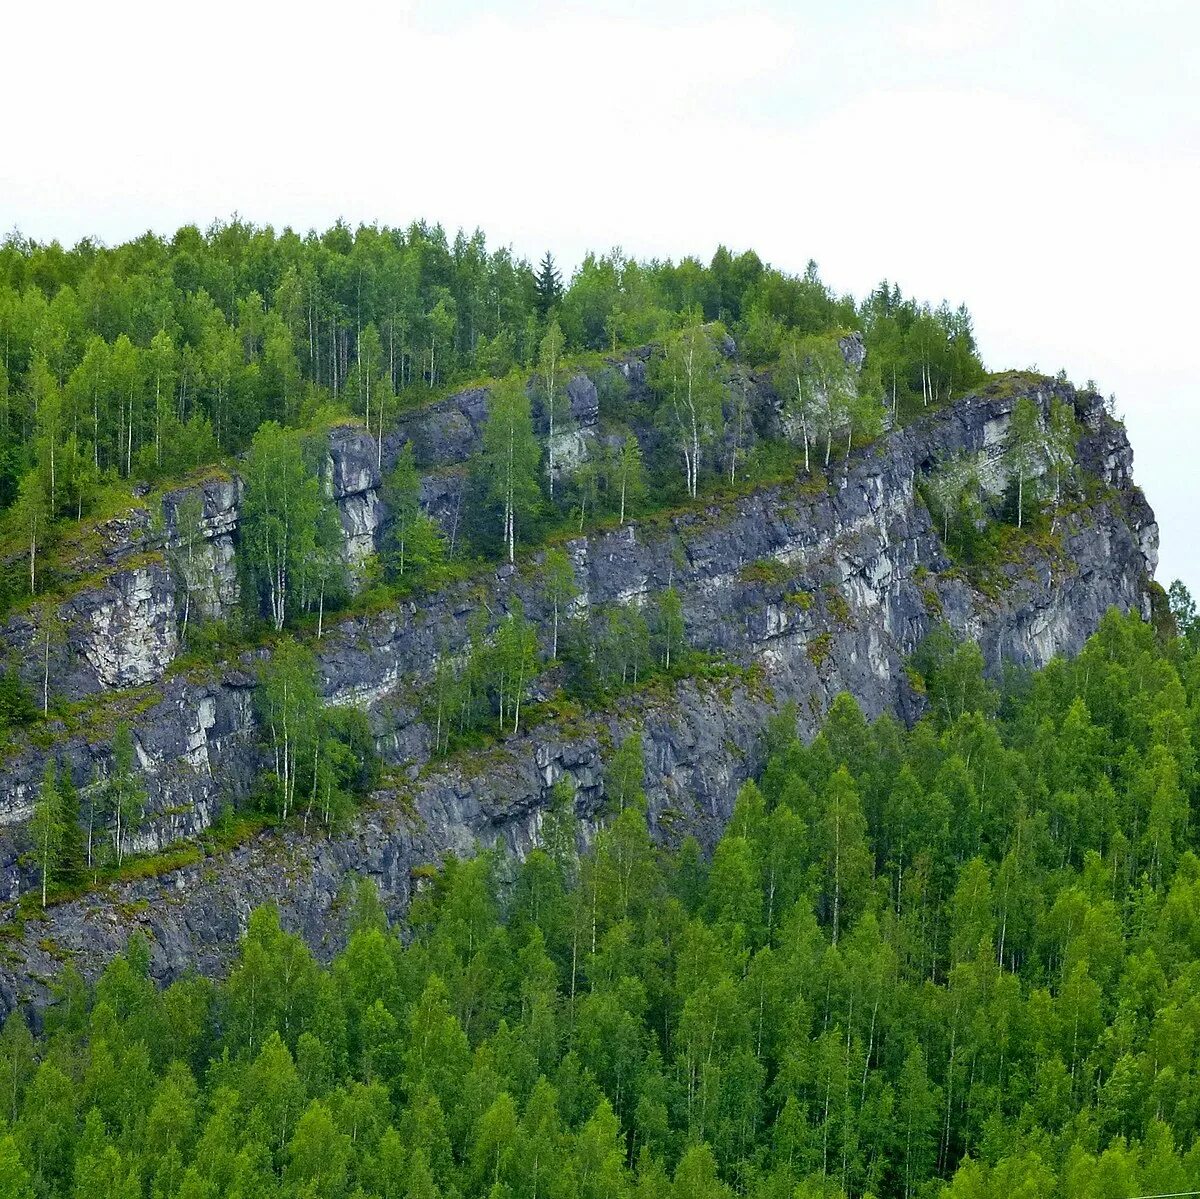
864	537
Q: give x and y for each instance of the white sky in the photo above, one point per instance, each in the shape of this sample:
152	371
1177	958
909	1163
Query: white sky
1040	161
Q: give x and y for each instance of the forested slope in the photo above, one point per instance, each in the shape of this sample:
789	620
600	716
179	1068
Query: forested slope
139	361
957	959
420	596
400	734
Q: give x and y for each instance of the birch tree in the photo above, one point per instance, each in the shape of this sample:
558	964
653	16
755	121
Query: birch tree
796	386
817	390
688	377
515	656
412	540
124	795
630	477
1062	435
549	366
559	576
948	485
669	627
624	775
47	405
45	826
31	515
288	707
323	570
185	552
280	517
125	366
845	856
161	366
835	390
511	455
51	632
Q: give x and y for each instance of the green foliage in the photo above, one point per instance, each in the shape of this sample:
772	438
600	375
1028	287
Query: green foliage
185	553
953	960
138	363
413	541
321	757
921	356
1183	610
984	533
624	775
629	482
510	459
688	381
288	531
16	704
558	579
1024	448
123	795
817	390
771	572
486	687
548	285
669	631
46	827
952	677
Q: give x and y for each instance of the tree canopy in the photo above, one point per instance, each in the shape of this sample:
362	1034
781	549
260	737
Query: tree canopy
957	959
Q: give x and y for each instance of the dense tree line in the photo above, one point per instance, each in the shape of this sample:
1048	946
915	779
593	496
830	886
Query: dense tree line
141	361
957	959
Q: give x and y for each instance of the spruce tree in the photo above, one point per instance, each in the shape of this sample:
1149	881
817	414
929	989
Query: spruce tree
548	285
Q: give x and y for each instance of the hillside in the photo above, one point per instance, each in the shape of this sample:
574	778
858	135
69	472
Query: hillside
677	732
957	960
791	591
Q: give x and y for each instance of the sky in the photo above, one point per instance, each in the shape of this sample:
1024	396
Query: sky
1040	162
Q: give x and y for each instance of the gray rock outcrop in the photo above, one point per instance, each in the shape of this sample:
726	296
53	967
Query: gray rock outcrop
805	590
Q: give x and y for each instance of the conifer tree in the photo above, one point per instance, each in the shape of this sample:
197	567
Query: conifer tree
548	285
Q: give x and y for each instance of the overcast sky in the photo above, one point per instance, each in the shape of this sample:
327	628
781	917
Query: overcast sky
1039	161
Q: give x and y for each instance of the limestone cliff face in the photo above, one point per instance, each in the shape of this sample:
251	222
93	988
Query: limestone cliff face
857	577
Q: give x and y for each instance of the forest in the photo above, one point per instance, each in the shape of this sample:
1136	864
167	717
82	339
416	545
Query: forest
123	369
960	959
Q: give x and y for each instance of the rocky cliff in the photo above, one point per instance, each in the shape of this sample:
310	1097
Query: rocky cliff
805	589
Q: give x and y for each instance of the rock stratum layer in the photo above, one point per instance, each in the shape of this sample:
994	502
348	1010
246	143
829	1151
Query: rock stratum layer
857	577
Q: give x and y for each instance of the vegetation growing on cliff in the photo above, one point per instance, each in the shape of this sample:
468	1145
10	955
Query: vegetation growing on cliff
954	960
1037	466
139	362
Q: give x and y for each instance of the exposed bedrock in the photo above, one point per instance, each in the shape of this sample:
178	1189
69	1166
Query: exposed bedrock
857	573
